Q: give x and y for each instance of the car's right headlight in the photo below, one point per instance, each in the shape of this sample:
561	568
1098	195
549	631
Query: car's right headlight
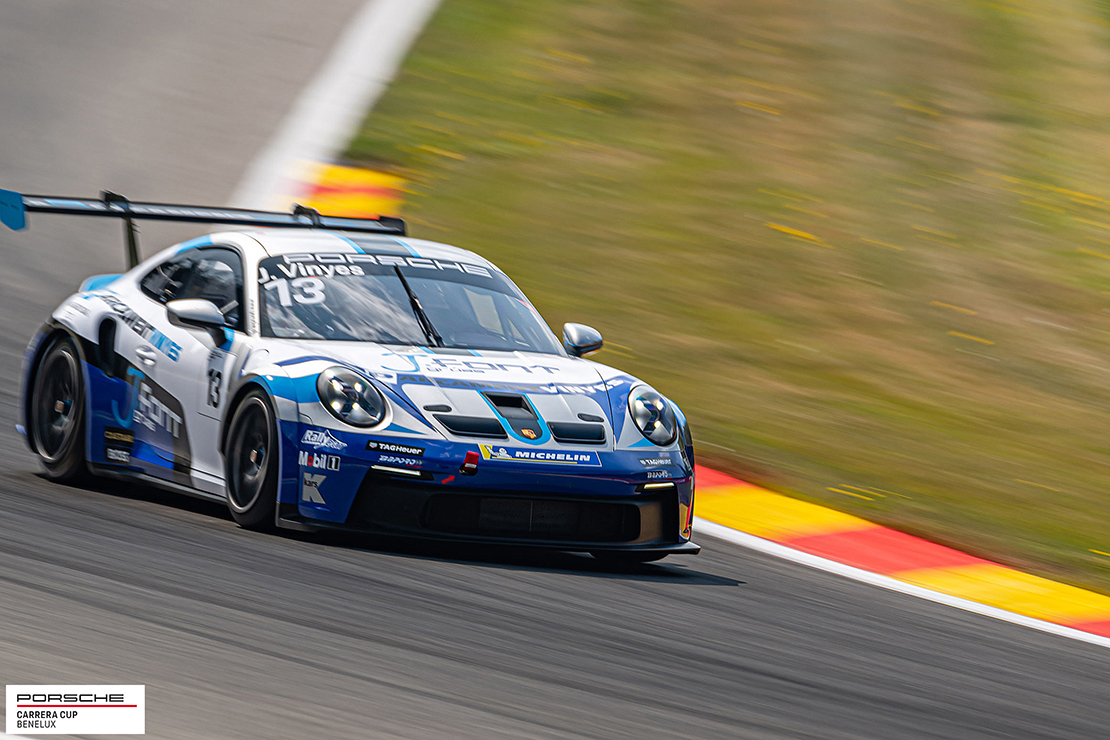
350	397
653	415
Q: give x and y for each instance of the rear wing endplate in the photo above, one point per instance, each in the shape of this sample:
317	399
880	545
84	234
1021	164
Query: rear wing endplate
15	206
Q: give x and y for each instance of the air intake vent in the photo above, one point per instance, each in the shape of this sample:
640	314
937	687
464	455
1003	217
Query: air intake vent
511	406
472	426
518	412
573	432
539	519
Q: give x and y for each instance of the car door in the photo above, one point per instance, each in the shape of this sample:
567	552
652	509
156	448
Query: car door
197	375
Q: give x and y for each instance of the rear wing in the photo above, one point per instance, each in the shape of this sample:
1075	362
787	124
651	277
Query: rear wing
15	206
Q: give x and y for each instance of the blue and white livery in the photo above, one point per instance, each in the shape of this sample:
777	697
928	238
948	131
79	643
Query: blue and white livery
314	378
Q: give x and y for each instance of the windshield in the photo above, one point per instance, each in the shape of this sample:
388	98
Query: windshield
363	298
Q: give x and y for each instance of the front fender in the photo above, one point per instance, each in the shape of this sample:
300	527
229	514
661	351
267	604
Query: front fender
279	389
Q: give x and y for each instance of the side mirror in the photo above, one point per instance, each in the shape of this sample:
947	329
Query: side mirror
197	313
581	340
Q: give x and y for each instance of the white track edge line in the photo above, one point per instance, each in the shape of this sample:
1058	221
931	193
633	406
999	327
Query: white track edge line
329	110
783	552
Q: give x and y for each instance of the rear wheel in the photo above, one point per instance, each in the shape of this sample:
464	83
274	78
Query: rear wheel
250	463
624	558
57	412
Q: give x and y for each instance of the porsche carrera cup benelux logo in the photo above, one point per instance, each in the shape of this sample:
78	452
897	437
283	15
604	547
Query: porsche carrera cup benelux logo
75	710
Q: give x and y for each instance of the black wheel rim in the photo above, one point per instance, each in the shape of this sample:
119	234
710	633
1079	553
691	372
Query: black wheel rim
56	404
250	451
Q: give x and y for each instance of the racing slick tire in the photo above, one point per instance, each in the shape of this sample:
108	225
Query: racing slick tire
56	412
625	559
251	463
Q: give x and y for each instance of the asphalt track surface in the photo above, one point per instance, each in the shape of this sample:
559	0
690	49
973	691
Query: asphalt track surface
243	635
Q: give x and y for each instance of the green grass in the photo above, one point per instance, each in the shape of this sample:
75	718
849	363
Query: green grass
862	243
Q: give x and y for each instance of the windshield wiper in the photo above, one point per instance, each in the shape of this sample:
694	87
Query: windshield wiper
422	317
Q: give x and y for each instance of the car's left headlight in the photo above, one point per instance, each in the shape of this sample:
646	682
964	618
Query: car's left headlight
350	397
653	415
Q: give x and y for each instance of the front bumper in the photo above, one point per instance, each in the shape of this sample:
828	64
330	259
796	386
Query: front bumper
614	506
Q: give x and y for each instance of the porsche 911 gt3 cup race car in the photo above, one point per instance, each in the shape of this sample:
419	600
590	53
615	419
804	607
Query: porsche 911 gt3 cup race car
331	373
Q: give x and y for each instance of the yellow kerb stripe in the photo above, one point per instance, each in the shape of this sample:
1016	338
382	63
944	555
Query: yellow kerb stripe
1006	588
352	191
770	515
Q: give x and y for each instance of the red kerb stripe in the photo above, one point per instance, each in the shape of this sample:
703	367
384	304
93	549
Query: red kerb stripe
707	478
883	550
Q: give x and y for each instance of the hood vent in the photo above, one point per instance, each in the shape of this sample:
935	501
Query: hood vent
573	432
472	426
511	406
518	412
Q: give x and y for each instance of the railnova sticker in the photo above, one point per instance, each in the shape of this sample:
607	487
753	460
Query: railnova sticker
75	710
497	453
322	439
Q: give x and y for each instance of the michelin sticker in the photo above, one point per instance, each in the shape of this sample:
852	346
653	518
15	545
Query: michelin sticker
497	453
322	439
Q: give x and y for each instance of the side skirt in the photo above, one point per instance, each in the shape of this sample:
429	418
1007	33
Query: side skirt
135	476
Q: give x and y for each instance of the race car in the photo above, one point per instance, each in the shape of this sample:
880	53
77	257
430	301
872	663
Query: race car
317	372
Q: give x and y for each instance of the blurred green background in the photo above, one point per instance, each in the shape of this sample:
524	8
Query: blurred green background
864	243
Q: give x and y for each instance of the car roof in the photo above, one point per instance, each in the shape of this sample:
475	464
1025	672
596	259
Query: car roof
278	242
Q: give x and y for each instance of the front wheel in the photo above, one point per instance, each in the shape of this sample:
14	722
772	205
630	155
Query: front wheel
57	412
250	463
625	558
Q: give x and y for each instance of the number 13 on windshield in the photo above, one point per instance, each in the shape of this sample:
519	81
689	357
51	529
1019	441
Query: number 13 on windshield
306	290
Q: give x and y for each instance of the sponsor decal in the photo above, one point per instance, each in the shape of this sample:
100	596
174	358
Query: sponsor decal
142	327
656	462
319	439
652	474
424	363
318	460
150	405
123	457
330	265
154	413
562	389
395	448
310	488
554	457
483	366
406	461
117	445
75	710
